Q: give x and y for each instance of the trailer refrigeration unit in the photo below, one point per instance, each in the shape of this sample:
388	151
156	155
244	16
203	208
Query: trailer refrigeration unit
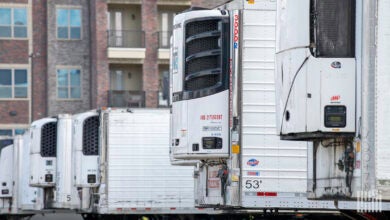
17	198
123	165
51	156
85	141
223	110
332	90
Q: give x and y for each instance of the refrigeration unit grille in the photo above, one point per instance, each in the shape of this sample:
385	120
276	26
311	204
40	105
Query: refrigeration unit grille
49	140
205	42
196	27
91	136
333	27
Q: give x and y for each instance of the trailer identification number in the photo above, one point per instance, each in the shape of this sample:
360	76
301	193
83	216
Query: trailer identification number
252	184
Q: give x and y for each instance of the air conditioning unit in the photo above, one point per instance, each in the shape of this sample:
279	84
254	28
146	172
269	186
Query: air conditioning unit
316	69
200	55
43	152
86	149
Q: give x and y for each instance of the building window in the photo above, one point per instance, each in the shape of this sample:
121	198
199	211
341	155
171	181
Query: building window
12	132
6	132
13	23
69	83
69	24
13	83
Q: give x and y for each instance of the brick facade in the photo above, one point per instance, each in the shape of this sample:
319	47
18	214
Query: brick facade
150	67
99	61
19	107
14	53
68	53
39	60
42	53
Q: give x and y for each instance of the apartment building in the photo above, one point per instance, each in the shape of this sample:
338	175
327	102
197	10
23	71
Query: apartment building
68	56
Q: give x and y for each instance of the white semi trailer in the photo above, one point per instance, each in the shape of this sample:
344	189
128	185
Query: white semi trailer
17	198
122	165
224	112
332	85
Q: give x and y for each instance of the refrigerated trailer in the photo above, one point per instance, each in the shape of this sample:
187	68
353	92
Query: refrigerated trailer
122	165
51	162
224	112
17	198
332	85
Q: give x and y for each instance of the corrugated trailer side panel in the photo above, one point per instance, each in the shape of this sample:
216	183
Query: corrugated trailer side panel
382	122
274	172
139	174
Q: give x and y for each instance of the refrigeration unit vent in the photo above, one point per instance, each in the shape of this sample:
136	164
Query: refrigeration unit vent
333	28
49	140
91	136
205	62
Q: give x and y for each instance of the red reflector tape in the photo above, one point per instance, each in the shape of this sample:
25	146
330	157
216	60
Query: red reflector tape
148	209
133	209
173	208
267	194
271	194
260	193
119	209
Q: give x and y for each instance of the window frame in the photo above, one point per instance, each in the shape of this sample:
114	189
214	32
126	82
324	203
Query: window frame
13	86
69	86
68	8
13	130
12	25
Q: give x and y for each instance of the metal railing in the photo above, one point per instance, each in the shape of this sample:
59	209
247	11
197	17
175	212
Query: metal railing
164	39
126	38
126	98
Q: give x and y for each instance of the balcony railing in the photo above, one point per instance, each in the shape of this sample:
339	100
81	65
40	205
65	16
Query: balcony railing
126	98
164	39
126	38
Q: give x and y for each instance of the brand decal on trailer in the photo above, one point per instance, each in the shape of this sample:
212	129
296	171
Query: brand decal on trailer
175	60
336	65
335	98
231	92
235	32
212	128
211	117
253	173
252	162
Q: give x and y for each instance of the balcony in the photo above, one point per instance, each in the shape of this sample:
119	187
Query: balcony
126	38
126	98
